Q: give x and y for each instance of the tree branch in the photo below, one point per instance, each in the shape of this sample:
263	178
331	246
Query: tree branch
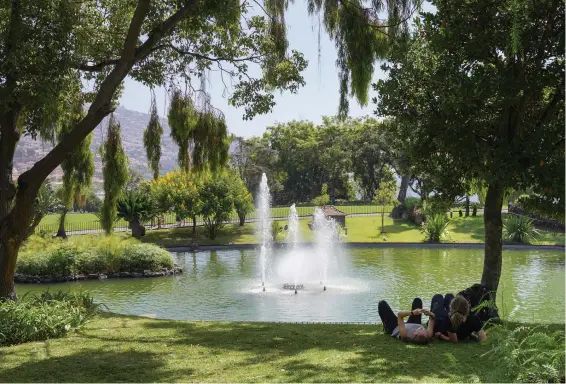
98	66
199	56
100	107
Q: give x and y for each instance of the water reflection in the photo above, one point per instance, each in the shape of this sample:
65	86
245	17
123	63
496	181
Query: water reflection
225	285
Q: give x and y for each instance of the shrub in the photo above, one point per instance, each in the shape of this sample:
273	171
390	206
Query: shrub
56	262
323	198
411	203
275	229
34	318
93	261
529	354
435	228
519	229
90	254
139	257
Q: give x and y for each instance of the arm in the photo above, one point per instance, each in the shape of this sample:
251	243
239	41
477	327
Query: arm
453	337
431	318
401	324
442	337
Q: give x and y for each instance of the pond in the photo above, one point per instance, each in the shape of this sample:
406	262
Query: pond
226	285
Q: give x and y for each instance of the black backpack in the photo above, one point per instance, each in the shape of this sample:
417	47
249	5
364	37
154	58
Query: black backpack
477	294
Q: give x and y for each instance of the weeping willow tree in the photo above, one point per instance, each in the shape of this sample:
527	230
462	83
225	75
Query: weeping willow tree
152	139
363	31
202	135
78	167
116	174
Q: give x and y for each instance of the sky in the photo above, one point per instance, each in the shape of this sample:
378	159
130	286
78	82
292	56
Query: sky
318	98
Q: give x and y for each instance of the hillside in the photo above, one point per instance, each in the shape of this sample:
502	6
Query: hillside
132	124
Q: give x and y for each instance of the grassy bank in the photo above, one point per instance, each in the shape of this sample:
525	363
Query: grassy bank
118	348
365	229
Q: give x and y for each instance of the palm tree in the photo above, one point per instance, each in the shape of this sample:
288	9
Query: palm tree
135	208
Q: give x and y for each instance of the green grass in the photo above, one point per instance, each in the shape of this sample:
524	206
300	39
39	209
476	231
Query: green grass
119	348
362	229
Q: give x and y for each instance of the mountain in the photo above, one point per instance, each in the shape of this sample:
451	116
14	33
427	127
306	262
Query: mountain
132	126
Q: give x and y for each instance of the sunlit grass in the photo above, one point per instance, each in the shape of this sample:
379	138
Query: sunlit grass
119	348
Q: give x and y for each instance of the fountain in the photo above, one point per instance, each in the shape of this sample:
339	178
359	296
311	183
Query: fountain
293	239
326	234
300	266
264	227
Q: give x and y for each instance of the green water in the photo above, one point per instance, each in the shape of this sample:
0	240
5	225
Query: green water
225	285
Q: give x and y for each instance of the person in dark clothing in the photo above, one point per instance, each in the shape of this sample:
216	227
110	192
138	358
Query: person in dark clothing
461	324
412	330
440	306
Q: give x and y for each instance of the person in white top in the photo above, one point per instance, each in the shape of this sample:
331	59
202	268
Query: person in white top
412	331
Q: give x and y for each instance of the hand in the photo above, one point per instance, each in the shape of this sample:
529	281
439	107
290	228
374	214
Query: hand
426	312
417	312
437	335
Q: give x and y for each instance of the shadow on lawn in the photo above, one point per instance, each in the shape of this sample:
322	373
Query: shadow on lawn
472	226
288	352
184	236
92	365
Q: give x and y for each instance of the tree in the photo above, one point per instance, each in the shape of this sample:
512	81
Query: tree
116	174
477	105
78	168
103	43
322	199
152	139
217	202
204	132
135	179
385	196
46	202
177	192
334	158
135	207
368	155
93	203
242	197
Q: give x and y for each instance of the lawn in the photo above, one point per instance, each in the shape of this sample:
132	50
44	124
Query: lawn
116	348
362	229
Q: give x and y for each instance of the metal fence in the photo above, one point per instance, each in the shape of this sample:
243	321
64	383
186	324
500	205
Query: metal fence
170	220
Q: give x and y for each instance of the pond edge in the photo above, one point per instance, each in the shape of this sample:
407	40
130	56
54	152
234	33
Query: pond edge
198	248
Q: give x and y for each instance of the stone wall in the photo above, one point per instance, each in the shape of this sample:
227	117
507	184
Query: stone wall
29	279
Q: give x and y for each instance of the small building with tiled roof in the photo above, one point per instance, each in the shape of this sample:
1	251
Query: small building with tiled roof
331	212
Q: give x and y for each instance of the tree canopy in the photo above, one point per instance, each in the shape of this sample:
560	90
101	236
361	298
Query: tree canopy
476	104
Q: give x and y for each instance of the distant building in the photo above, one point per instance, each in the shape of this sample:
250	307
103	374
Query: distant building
332	213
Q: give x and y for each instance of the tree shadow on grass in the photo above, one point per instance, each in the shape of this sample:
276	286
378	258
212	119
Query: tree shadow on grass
230	233
93	365
314	353
472	226
127	348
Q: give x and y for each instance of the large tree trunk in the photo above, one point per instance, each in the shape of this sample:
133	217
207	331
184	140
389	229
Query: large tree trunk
403	189
61	232
467	205
136	229
398	210
194	225
242	218
493	237
8	256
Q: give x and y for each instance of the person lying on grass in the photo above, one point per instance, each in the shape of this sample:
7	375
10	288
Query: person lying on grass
411	331
454	321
